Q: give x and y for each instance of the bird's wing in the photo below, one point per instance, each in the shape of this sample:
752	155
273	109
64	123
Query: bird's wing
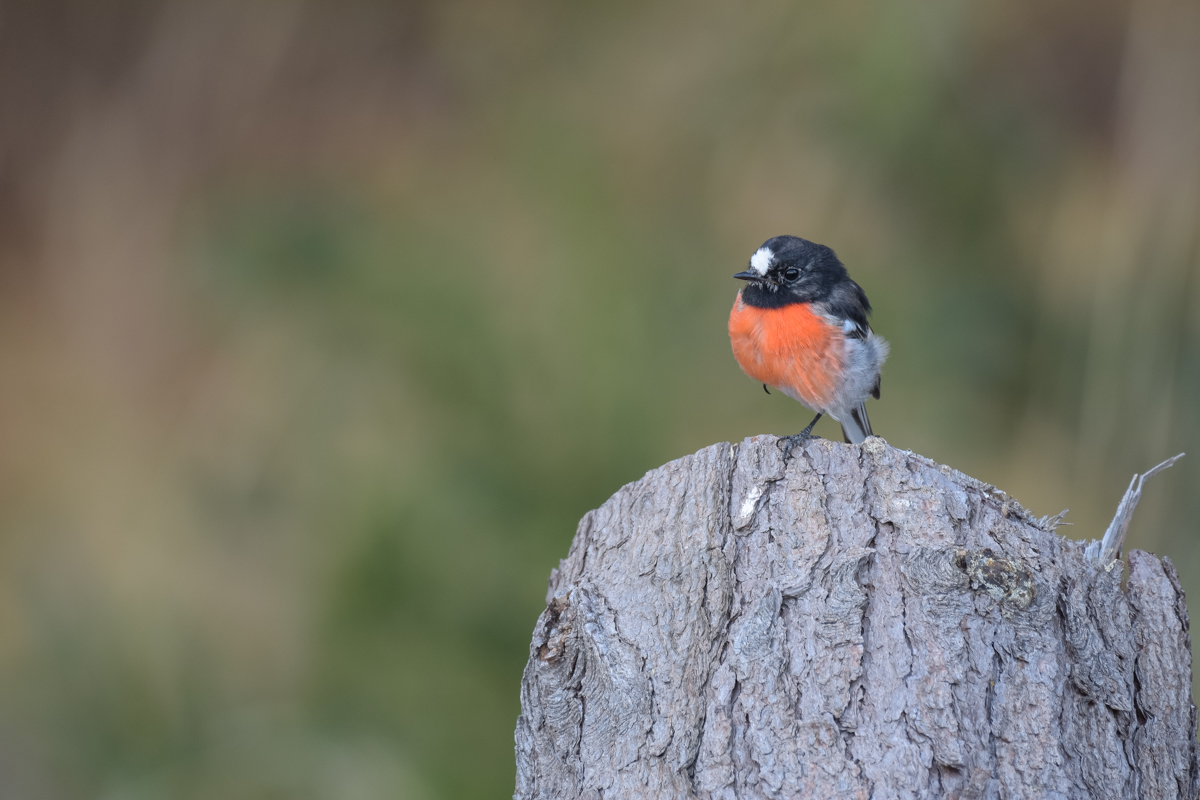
849	306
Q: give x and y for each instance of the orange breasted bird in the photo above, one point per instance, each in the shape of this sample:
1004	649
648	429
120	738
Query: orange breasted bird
800	324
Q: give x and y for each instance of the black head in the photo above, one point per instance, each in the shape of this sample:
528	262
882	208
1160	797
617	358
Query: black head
788	269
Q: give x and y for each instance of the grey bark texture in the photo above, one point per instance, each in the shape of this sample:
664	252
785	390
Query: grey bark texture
858	622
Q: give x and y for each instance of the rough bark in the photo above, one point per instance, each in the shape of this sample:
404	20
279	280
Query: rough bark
857	622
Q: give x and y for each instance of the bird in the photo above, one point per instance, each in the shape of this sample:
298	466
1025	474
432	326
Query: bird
800	324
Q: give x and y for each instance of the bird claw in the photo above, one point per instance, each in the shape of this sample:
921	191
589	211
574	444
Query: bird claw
789	442
794	441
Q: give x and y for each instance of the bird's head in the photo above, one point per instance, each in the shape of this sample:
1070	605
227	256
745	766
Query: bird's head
788	269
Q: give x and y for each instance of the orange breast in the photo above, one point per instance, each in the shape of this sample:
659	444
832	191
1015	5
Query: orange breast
789	347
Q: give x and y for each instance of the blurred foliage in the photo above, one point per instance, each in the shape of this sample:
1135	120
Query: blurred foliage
321	325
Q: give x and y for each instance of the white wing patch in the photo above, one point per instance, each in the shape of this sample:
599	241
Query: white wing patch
849	326
760	262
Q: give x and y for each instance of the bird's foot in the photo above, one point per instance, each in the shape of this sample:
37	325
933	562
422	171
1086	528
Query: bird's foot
791	442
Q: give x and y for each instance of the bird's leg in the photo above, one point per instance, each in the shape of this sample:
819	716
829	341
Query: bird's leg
800	438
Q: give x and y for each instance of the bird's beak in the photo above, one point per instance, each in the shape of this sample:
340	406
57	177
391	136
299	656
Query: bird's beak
749	275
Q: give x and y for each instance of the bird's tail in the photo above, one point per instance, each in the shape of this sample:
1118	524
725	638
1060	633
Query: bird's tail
856	427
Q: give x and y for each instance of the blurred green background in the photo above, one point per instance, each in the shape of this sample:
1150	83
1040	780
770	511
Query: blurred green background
321	325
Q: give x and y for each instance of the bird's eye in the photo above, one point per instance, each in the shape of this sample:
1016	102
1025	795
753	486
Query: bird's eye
791	273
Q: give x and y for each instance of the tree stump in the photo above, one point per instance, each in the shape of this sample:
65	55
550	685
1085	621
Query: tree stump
858	622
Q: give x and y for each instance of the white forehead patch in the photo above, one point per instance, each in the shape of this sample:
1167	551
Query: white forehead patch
761	260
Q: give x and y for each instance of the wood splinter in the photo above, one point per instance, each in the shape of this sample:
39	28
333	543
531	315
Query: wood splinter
1105	552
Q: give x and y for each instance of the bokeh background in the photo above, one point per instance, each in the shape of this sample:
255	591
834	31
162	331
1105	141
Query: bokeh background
321	325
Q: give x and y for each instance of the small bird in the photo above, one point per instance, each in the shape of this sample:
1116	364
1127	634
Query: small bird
800	324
